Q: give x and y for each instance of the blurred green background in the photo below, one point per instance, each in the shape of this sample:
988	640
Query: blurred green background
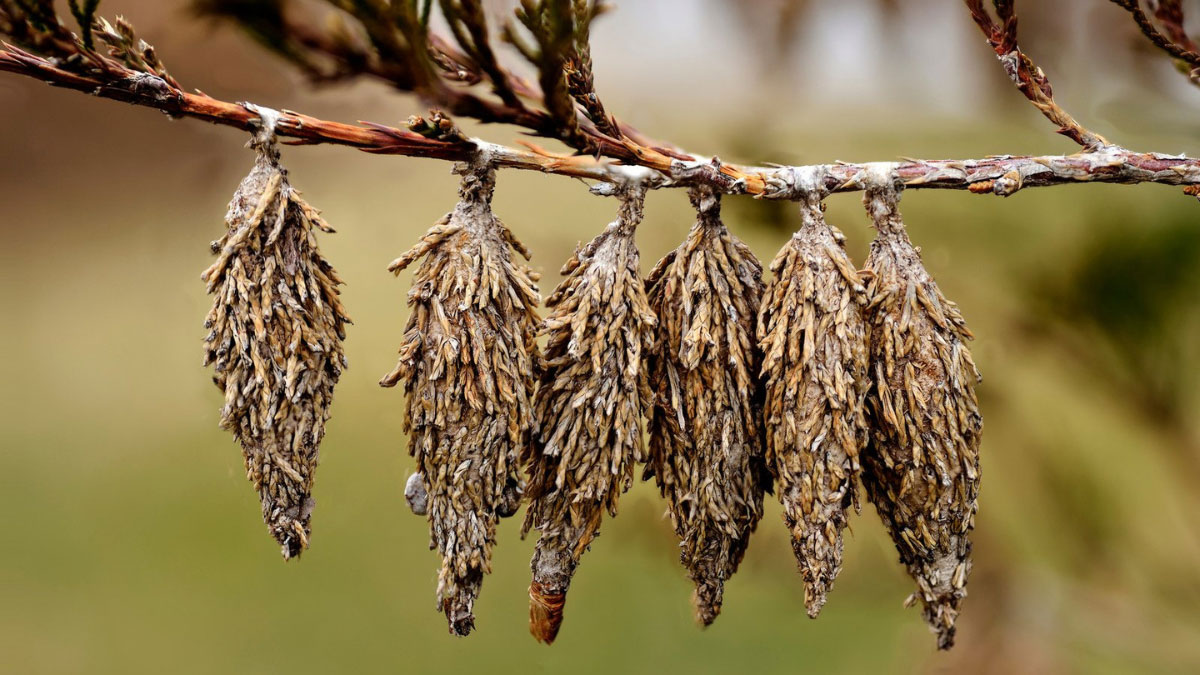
130	541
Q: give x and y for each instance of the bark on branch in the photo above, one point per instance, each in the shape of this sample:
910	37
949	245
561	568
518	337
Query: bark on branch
1002	175
1001	34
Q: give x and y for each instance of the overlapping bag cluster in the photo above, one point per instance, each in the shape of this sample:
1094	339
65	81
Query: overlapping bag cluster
827	377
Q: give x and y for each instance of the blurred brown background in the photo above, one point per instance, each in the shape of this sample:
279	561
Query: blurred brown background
131	542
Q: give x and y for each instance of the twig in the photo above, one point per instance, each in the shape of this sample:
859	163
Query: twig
580	79
996	175
1159	40
300	39
468	22
1030	79
1170	14
1176	43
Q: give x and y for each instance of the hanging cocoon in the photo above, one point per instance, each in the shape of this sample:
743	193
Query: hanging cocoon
814	342
705	426
275	340
592	392
922	468
467	362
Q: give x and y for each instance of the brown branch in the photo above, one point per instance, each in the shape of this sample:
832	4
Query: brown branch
1176	42
1156	37
581	80
300	39
468	22
551	25
995	175
1030	79
152	91
1170	14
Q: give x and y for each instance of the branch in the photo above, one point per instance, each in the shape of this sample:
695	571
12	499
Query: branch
1030	79
1174	15
995	175
1170	14
557	26
580	79
1176	43
145	89
468	23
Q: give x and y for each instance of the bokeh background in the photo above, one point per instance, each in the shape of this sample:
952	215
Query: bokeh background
130	541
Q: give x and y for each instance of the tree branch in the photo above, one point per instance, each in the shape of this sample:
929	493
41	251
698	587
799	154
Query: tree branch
995	175
1176	42
556	26
1170	14
1167	44
1030	79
